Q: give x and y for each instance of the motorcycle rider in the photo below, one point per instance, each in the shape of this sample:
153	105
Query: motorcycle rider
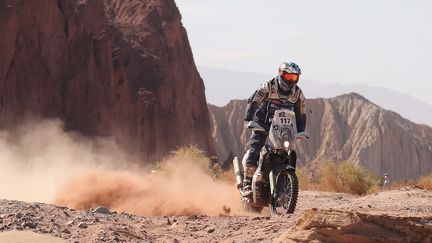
280	92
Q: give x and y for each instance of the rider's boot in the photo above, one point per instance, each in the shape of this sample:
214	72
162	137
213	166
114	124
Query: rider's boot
247	181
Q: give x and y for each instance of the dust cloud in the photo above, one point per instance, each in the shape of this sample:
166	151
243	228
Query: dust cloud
181	188
41	162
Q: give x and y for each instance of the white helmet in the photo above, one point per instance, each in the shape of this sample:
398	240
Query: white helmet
289	74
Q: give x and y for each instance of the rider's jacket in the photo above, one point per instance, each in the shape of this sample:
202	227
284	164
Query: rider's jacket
268	98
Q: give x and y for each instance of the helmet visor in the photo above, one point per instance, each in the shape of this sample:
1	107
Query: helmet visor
290	77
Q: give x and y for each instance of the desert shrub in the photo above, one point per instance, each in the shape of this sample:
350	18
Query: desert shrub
424	182
304	179
348	178
196	157
190	155
397	185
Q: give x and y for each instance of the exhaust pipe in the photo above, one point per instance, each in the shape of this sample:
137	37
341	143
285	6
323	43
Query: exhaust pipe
238	172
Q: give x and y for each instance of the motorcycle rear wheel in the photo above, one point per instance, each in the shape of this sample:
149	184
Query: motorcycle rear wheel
286	192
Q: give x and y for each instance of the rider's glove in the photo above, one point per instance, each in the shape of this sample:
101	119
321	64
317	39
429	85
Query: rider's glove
246	124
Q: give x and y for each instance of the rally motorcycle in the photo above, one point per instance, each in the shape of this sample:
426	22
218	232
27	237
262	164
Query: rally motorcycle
274	183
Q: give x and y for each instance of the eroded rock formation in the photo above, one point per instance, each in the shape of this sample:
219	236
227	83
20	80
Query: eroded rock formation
342	226
347	127
105	67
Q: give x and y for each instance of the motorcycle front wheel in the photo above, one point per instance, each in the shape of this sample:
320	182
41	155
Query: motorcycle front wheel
286	192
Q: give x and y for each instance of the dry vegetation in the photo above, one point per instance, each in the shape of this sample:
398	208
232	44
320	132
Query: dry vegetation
424	182
352	179
190	154
196	156
344	177
348	178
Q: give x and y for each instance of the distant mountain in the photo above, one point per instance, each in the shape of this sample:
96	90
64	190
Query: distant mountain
406	105
347	127
223	85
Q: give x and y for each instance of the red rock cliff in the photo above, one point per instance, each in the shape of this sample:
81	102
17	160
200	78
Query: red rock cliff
105	67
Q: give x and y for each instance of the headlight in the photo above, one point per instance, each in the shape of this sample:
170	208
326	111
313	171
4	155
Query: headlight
286	144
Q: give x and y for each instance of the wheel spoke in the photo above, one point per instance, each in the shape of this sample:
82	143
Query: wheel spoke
286	192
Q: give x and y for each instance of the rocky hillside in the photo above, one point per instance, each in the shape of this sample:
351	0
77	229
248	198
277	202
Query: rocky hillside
105	67
347	127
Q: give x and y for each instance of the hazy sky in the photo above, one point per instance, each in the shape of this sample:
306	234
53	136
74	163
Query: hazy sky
385	43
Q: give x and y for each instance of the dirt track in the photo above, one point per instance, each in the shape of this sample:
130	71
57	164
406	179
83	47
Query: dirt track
87	226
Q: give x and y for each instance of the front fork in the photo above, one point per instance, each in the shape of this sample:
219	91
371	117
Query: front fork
273	178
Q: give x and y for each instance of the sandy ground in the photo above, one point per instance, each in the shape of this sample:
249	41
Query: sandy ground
15	236
43	220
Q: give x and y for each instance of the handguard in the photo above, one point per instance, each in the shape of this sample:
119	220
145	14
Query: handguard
253	126
302	135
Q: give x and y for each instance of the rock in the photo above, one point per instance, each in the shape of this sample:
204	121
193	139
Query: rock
168	221
20	228
226	209
102	210
69	223
82	225
18	215
104	68
66	231
175	224
342	226
211	230
193	217
29	224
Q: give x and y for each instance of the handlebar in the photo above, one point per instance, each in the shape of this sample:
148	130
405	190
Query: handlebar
253	126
